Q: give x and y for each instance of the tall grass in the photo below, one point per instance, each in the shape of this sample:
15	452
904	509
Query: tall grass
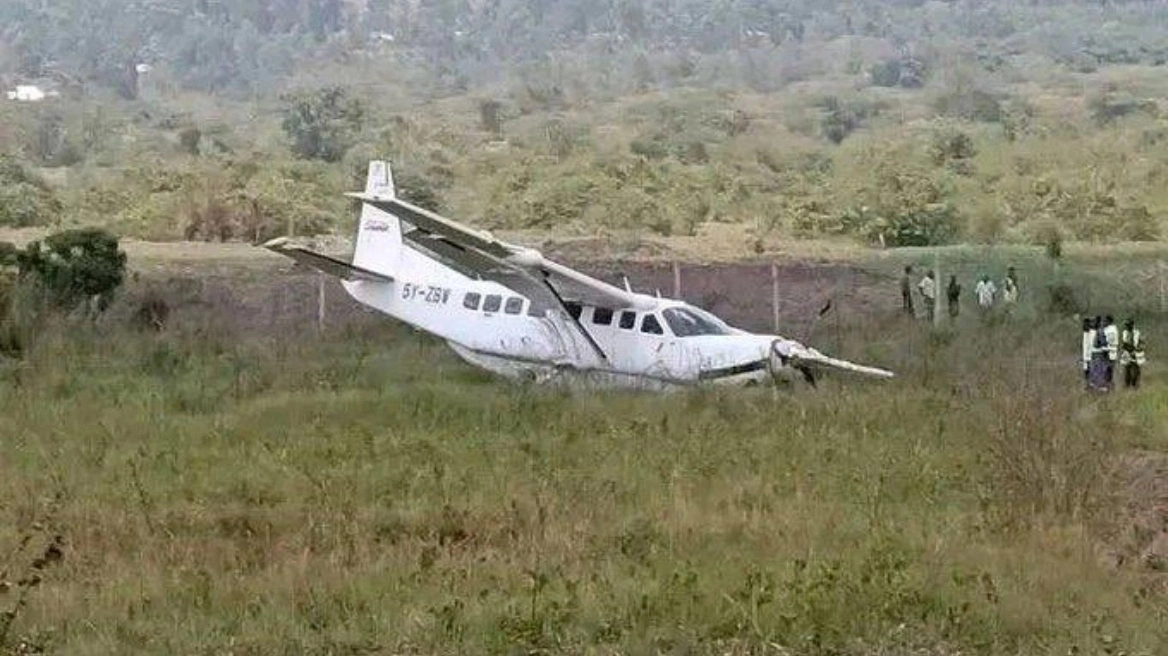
366	493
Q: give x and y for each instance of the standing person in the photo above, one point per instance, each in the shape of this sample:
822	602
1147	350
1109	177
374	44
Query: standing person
928	289
1010	287
1098	379
953	294
906	291
985	292
1111	333
1088	347
1131	354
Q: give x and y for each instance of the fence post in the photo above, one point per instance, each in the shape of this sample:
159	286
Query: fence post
320	302
676	280
775	294
940	296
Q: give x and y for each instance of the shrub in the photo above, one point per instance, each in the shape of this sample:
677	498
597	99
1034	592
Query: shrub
322	124
1107	107
23	205
907	72
8	254
951	146
970	104
885	73
929	225
189	138
840	119
25	199
76	266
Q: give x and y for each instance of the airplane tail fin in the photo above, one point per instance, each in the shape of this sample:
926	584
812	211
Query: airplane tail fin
379	236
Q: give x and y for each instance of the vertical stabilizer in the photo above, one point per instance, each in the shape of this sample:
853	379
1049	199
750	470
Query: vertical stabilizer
379	181
379	239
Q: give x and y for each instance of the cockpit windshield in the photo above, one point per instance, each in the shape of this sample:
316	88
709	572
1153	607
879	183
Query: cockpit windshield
685	322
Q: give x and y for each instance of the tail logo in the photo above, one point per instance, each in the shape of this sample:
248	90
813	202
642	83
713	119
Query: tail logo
375	225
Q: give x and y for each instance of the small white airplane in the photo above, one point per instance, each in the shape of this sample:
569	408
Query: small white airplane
509	310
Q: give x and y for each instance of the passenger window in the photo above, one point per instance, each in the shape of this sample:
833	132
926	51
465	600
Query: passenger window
601	316
650	325
574	310
628	319
492	303
514	305
471	301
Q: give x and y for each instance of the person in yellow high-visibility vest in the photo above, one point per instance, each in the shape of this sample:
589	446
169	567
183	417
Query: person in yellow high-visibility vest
1131	354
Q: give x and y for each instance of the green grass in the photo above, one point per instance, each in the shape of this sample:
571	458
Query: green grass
366	493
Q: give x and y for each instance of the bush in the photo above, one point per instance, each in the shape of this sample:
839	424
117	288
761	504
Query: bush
908	73
951	146
931	225
76	266
840	119
885	73
189	138
971	105
23	205
322	124
1107	107
25	199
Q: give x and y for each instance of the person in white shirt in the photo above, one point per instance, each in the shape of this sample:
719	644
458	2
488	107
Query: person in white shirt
1111	333
1088	347
985	291
928	288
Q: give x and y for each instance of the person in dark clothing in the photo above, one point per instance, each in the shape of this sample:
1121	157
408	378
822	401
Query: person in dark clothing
906	291
953	293
1131	354
1100	371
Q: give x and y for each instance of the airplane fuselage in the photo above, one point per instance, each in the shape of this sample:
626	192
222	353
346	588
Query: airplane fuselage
490	326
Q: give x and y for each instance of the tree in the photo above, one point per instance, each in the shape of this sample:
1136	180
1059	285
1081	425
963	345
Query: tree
76	266
322	124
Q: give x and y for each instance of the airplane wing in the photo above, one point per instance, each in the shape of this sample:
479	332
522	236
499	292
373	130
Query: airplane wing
479	253
324	263
800	354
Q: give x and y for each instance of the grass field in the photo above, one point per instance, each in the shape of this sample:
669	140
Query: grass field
367	493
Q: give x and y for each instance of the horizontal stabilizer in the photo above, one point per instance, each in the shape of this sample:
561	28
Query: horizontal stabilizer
324	263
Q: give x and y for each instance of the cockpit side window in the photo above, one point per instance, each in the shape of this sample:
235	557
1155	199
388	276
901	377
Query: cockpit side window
471	301
514	305
687	323
628	319
601	316
650	325
492	303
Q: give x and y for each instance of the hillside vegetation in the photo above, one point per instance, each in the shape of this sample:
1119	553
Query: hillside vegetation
892	122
